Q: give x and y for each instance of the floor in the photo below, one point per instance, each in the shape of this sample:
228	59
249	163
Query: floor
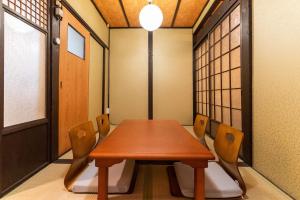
152	184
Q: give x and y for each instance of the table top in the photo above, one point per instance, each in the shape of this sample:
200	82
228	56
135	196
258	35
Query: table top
151	140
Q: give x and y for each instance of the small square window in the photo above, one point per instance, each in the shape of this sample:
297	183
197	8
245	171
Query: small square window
76	42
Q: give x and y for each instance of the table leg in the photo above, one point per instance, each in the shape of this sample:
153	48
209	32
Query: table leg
199	183
102	183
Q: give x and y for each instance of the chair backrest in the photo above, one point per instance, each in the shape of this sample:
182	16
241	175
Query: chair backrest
228	142
227	146
83	140
103	125
200	127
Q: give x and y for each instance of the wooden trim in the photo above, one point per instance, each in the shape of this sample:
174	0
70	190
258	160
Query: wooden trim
210	22
246	77
1	89
124	13
79	18
150	75
27	125
208	14
54	62
203	11
99	12
108	73
103	80
176	12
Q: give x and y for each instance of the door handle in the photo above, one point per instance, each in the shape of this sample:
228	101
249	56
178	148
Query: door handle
60	84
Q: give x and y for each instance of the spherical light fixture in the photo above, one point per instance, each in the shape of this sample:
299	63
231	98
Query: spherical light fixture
151	17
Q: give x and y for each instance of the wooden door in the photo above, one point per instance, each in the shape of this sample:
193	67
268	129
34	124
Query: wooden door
73	77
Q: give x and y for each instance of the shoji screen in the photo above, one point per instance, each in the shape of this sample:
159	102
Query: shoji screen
128	74
202	78
225	72
172	75
218	74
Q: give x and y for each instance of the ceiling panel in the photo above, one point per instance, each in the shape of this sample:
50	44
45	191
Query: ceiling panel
132	9
112	12
189	12
168	8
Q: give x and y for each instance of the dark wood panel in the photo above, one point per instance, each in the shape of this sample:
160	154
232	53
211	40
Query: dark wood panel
22	154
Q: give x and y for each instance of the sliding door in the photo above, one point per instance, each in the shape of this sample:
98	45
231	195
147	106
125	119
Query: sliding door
221	74
24	90
74	60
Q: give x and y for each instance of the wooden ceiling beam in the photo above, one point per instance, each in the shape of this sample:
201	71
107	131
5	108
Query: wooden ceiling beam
176	11
124	13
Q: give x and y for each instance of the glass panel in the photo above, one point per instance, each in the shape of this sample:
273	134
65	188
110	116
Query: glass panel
235	17
218	33
76	42
235	37
217	66
235	56
225	26
218	81
225	44
24	72
226	98
225	80
236	99
218	97
237	119
226	116
236	78
217	49
218	113
212	112
225	62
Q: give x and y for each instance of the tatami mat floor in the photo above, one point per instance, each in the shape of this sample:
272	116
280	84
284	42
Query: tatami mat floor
152	184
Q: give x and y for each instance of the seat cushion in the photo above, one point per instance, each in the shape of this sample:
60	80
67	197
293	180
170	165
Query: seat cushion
218	184
119	178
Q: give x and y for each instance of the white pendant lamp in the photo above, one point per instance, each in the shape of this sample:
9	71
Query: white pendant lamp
151	17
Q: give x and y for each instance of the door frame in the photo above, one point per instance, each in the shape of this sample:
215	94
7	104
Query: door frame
55	24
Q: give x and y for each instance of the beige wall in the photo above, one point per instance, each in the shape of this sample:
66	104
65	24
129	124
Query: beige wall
128	74
95	80
88	12
276	92
172	75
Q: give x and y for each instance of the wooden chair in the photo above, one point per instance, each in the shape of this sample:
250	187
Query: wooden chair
82	176
200	128
103	125
222	178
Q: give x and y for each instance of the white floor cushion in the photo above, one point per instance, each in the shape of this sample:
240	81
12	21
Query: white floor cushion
119	178
218	184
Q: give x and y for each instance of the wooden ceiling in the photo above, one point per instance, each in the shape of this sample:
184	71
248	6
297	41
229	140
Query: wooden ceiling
125	13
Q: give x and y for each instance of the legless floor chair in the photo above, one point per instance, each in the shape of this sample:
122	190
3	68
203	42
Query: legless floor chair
82	176
222	178
200	128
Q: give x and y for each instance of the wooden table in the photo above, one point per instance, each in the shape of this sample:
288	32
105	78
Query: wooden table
150	140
